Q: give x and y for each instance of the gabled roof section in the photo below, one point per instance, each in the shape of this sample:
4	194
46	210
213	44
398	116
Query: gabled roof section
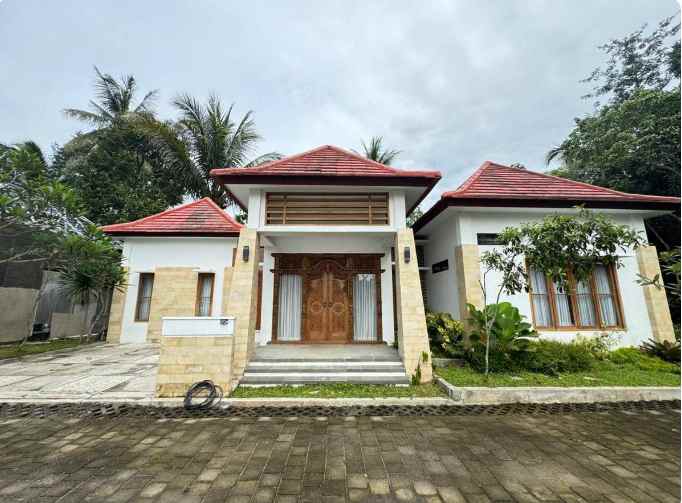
198	218
498	185
324	161
327	165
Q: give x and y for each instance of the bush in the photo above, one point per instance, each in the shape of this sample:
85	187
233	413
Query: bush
600	346
640	359
542	356
445	334
668	351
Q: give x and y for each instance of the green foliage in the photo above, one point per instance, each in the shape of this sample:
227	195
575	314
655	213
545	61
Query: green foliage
375	151
36	209
412	218
670	269
631	146
91	270
665	350
445	333
638	61
642	360
205	137
599	346
508	331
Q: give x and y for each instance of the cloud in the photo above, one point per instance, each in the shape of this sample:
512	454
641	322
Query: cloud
450	84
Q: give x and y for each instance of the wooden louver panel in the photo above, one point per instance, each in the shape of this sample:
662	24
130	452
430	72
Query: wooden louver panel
327	209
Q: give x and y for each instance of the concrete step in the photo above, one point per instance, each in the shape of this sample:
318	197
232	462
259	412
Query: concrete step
271	373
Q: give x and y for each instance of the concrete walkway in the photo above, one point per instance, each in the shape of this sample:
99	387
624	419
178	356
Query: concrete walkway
98	372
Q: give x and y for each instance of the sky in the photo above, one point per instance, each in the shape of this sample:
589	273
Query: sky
448	83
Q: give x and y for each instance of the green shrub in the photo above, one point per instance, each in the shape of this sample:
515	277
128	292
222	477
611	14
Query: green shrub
509	332
640	359
553	357
600	346
668	351
542	356
445	334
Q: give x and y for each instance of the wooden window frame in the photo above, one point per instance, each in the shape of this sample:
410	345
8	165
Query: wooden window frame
139	296
200	277
573	299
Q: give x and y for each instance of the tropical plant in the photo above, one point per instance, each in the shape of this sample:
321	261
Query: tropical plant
375	151
115	102
112	167
555	245
412	218
205	137
445	333
91	270
508	331
666	350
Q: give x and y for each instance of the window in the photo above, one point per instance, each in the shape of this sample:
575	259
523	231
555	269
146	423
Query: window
592	303
144	296
204	294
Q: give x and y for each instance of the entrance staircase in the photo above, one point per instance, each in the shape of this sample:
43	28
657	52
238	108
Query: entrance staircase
314	364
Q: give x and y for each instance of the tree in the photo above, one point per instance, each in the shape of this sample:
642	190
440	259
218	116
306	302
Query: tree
416	214
557	245
112	167
375	151
637	62
205	137
34	207
115	102
632	146
91	270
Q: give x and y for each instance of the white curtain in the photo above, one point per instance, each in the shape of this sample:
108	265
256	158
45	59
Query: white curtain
205	299
585	304
147	281
538	284
563	306
364	308
290	297
607	306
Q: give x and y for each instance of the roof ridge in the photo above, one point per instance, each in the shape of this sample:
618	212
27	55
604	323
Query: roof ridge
472	178
354	155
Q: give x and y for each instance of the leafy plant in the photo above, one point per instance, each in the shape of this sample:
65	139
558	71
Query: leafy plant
375	151
665	350
506	335
554	357
445	333
599	346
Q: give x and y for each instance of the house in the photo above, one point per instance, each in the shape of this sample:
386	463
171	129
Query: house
325	278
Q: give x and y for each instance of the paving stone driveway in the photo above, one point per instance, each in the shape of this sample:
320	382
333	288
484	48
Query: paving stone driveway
615	456
101	371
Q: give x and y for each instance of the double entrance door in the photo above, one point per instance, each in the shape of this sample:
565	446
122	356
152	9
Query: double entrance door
331	299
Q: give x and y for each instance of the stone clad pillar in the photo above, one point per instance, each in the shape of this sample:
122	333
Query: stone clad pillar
413	339
468	273
174	294
655	297
118	300
243	300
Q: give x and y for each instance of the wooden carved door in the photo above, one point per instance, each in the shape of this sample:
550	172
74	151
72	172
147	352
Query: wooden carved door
328	313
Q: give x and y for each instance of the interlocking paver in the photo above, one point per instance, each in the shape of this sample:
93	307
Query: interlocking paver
571	458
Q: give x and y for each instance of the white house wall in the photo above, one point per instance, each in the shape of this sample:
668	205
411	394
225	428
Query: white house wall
461	227
442	286
145	254
328	243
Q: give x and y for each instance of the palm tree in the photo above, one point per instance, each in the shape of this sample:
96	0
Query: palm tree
115	101
375	151
205	137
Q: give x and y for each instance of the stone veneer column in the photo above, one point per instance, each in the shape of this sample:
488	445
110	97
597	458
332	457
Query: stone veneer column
468	272
654	297
174	294
413	339
118	300
243	300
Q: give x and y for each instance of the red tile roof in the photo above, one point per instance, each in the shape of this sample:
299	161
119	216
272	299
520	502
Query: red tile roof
324	161
505	186
198	218
497	181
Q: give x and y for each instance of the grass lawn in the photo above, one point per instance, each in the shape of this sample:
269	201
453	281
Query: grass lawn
339	390
32	348
604	373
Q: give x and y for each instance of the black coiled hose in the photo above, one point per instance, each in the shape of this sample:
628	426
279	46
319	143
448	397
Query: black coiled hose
212	392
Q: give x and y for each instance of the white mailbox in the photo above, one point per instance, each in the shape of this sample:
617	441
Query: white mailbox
195	326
